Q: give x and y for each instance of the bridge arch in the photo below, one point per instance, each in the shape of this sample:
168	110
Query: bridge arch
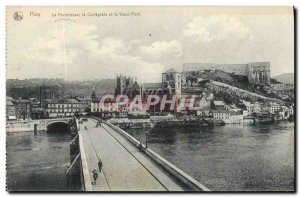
60	126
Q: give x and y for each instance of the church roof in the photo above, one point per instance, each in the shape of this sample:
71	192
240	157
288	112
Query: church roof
171	70
135	85
151	85
132	86
219	103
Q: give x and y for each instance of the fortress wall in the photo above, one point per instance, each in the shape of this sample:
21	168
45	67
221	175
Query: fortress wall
238	69
197	66
256	72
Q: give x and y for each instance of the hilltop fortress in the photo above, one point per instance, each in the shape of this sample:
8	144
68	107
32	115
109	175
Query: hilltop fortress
256	72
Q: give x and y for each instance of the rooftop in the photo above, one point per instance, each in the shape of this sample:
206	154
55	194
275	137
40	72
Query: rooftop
9	102
62	101
171	70
9	98
220	111
151	85
218	103
23	101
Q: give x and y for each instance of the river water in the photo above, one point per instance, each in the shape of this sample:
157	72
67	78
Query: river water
231	157
228	158
38	163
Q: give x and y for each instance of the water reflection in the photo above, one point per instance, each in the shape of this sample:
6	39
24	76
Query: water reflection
230	158
38	163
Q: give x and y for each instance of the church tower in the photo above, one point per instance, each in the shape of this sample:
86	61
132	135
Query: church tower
171	82
121	84
93	96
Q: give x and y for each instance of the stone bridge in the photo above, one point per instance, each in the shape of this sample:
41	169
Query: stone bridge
121	162
42	124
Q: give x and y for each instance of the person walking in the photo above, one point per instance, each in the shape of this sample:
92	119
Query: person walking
95	176
100	165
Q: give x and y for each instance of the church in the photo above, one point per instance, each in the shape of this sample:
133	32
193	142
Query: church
171	84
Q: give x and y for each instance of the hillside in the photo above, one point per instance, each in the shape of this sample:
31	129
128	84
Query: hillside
30	87
285	78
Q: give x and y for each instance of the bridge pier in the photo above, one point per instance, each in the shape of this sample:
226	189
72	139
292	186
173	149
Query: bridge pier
35	129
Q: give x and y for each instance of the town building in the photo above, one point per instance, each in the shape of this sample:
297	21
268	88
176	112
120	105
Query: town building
229	117
221	114
62	107
39	113
84	104
107	108
285	112
256	107
273	107
235	117
23	109
219	105
10	109
35	103
248	106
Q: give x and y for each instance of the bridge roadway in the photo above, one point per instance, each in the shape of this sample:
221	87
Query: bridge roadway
125	168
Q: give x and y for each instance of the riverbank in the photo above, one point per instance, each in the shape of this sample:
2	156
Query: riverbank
28	125
25	125
125	123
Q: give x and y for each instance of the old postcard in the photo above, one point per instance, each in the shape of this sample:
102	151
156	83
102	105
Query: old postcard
152	99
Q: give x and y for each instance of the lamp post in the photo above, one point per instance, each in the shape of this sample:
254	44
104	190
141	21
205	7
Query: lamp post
146	138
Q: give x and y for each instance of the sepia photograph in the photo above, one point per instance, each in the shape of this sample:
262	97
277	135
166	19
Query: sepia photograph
150	99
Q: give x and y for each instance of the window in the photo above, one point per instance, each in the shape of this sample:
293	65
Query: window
167	78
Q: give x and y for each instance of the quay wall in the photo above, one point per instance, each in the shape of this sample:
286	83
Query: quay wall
20	126
28	125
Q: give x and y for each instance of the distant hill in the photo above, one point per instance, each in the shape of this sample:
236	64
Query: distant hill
105	86
285	78
58	87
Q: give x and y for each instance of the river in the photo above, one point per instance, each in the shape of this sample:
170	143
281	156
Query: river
231	157
223	158
38	163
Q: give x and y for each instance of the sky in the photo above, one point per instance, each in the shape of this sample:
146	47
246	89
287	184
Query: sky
143	42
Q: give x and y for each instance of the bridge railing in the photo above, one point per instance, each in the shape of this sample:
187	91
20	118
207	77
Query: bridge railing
168	166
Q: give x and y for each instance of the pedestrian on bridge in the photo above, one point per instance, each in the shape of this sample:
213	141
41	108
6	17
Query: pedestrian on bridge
98	123
100	165
95	176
